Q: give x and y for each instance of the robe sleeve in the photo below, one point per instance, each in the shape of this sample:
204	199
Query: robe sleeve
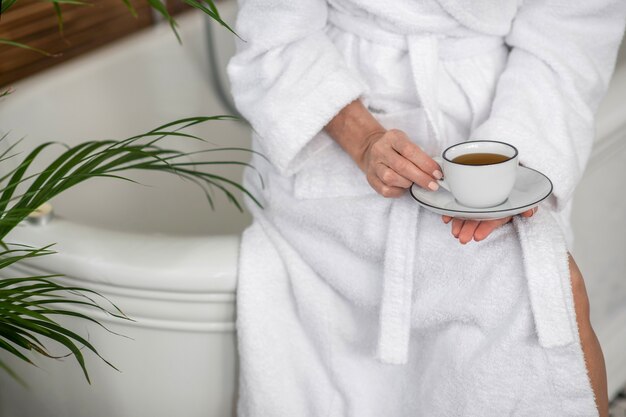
287	77
562	56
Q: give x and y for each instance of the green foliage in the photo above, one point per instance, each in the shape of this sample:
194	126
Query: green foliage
5	92
21	316
24	46
6	4
105	158
29	304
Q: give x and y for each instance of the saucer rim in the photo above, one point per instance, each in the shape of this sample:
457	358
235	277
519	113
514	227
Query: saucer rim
490	211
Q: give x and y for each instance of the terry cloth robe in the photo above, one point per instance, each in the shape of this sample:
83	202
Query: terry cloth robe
350	304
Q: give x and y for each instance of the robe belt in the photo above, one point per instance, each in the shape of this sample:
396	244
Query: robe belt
544	270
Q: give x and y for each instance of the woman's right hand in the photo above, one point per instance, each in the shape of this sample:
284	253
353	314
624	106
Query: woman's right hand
388	158
392	163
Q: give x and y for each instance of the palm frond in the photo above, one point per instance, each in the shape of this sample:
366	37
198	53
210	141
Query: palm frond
57	10
208	7
6	4
130	8
159	6
27	305
107	158
27	47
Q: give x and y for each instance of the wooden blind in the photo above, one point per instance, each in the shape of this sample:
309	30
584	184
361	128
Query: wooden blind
177	6
85	27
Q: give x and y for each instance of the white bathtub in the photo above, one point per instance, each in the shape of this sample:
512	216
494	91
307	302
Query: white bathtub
158	252
170	263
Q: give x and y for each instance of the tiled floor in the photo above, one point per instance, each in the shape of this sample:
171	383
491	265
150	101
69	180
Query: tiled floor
618	405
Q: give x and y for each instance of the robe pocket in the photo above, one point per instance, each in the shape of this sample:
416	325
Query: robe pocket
331	172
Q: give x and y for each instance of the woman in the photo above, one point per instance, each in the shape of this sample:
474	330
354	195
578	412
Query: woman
354	301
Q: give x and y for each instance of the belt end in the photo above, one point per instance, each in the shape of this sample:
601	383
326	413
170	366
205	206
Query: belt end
392	352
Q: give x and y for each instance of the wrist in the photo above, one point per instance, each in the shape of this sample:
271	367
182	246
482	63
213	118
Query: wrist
354	128
361	156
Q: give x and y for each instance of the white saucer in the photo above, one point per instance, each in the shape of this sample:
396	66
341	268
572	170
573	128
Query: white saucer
531	187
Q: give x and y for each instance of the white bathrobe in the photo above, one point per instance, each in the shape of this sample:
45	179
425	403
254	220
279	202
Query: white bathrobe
353	305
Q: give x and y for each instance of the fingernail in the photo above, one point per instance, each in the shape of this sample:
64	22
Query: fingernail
437	174
433	186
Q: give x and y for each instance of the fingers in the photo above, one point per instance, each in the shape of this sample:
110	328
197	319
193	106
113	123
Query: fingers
467	230
527	213
464	229
407	169
391	178
487	226
384	189
456	226
409	150
530	212
387	169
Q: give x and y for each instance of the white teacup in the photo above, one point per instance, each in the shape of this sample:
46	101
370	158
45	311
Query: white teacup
479	186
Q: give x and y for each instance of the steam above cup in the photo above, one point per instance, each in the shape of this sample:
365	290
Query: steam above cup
479	174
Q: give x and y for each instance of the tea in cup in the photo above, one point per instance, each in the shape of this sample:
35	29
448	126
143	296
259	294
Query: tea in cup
479	174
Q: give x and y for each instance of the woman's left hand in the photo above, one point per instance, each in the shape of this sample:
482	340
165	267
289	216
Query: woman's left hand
465	230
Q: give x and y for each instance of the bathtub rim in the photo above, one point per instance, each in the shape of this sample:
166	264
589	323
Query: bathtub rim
129	260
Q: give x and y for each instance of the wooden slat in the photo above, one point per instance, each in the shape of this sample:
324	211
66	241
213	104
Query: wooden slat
85	28
176	6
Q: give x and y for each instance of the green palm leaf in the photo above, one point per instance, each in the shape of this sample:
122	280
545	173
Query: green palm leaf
25	312
107	158
29	305
27	47
6	4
